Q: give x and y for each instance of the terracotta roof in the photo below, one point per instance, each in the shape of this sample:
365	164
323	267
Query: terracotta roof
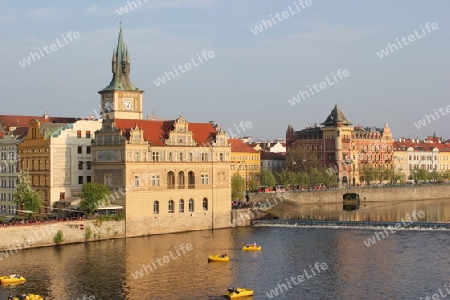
156	131
202	132
419	146
22	121
239	146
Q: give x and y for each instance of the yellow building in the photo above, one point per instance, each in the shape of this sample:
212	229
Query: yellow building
401	169
169	175
245	161
58	157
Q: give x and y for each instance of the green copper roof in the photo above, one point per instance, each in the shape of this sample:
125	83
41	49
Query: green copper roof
120	68
49	130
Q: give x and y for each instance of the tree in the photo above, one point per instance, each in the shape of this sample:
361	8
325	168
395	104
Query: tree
25	196
303	179
420	174
434	176
285	178
237	186
330	178
92	196
315	176
253	185
446	175
267	178
369	173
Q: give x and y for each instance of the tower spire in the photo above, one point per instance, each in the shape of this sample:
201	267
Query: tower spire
120	66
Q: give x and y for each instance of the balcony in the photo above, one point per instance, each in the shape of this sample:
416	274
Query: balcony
181	186
191	186
171	186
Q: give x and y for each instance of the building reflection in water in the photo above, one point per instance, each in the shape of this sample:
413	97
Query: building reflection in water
435	211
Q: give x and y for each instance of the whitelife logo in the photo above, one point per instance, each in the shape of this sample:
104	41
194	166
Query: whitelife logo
187	66
391	48
319	87
431	118
282	287
69	37
380	235
165	260
265	24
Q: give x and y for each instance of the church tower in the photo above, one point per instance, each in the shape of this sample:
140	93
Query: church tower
121	99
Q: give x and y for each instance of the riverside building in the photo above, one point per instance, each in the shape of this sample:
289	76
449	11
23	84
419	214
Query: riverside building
170	175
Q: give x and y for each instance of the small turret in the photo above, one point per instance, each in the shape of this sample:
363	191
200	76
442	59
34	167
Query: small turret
114	62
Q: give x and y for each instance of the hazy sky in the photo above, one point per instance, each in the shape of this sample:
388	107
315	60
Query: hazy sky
251	76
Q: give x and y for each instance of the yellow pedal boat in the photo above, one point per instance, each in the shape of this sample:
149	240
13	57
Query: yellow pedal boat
218	258
251	248
12	279
31	297
238	293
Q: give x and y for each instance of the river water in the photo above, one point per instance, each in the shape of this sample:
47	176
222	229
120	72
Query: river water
296	263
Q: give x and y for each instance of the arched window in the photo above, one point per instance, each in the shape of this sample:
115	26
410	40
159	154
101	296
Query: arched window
156	207
170	180
181	180
170	206
191	180
191	205
181	206
205	204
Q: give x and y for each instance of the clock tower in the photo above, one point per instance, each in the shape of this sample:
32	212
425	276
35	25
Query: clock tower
121	99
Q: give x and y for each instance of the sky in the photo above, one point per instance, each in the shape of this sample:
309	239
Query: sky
258	81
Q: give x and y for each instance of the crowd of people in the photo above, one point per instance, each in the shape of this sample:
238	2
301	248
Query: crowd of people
17	221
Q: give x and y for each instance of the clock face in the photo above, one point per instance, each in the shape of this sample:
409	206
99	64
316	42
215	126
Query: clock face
108	106
128	104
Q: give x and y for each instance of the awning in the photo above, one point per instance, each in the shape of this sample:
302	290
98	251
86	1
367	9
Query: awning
26	211
110	207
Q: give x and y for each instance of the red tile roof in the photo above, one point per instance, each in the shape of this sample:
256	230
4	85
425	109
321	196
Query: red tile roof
156	131
22	121
239	146
202	132
420	146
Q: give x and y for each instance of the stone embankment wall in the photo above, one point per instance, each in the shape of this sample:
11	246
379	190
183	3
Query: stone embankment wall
17	237
241	217
415	192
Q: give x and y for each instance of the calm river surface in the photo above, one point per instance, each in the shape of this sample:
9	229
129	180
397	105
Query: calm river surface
406	265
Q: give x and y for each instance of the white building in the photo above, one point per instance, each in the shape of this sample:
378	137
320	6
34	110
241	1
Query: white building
58	157
8	172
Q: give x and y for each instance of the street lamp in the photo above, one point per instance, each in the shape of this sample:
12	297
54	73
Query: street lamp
304	163
400	169
240	164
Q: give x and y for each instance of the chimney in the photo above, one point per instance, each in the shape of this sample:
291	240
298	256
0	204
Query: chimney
45	115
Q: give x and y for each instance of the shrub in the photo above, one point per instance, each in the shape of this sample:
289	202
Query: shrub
58	238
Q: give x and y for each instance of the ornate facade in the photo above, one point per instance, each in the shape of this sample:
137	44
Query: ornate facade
170	175
9	161
245	161
58	157
341	148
